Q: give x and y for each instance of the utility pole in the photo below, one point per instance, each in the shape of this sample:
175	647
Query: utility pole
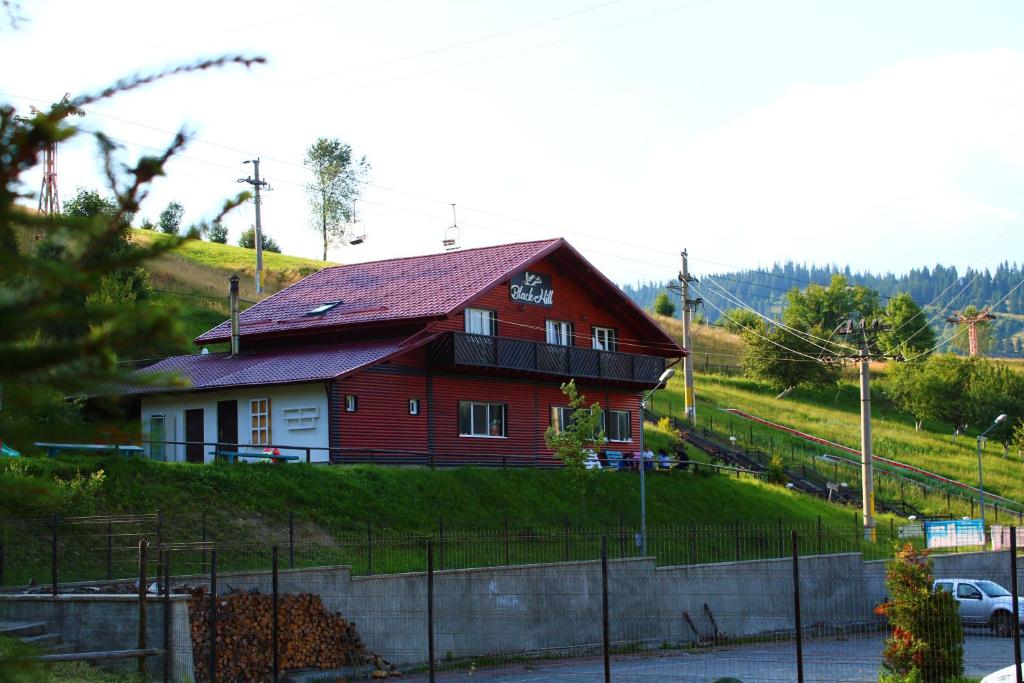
688	305
868	335
972	322
257	185
866	474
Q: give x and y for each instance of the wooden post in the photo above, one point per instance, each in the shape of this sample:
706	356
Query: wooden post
142	605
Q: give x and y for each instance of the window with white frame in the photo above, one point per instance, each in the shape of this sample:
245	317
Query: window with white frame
561	417
606	339
481	321
559	332
259	421
482	419
351	403
304	417
618	425
414	406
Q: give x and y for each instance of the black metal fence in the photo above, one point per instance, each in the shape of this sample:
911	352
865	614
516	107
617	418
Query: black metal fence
767	603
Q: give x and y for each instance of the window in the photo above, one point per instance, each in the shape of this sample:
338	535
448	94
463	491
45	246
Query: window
966	591
559	332
300	418
322	308
351	403
414	406
482	419
481	321
618	425
605	339
259	413
561	417
944	586
161	429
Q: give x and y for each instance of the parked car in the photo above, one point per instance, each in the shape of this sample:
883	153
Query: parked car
1002	676
982	603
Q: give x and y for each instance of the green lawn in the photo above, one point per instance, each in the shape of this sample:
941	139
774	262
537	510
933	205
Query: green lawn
833	414
78	672
337	508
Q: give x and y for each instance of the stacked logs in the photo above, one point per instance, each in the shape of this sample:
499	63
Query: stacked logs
309	635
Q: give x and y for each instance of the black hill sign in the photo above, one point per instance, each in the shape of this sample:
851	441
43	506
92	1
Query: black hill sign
529	287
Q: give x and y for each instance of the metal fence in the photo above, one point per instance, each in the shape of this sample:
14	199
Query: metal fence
763	605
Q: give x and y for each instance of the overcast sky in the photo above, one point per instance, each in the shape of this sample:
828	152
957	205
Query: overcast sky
881	134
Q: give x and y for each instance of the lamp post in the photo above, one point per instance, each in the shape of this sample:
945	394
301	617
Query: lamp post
665	376
981	485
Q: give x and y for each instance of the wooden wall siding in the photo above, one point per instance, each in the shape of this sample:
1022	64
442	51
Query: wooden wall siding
571	302
382	418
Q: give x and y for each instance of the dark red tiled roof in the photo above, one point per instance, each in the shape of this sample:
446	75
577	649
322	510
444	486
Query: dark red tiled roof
382	291
304	364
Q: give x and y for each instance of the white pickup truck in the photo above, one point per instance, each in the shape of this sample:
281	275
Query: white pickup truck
983	603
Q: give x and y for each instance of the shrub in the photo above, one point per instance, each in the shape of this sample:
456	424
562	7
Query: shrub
776	472
926	640
248	240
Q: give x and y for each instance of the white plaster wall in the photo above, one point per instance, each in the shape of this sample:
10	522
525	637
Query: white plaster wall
281	397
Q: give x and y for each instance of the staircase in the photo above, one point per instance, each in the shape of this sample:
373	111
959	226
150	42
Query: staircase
32	633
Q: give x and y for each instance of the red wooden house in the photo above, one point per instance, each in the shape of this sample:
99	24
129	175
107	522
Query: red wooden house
448	356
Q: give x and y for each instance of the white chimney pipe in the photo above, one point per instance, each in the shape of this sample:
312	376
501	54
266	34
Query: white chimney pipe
234	314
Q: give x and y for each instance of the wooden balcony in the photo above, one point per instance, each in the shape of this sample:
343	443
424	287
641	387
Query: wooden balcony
461	350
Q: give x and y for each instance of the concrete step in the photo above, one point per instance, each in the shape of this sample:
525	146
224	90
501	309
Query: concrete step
21	629
46	640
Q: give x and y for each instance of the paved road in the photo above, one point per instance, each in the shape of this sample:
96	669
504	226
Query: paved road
854	659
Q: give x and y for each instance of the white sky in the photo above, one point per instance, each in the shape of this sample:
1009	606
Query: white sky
886	135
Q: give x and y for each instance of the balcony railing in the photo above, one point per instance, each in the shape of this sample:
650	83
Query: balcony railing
523	355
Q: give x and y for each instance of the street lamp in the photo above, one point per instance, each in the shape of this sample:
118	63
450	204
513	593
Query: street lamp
665	376
981	485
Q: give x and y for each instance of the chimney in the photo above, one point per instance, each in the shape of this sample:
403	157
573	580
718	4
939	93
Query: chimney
234	315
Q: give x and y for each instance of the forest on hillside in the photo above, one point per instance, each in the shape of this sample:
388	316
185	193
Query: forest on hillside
941	290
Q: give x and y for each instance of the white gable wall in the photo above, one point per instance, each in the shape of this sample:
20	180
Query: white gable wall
282	398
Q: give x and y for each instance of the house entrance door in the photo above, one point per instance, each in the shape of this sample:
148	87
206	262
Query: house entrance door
194	435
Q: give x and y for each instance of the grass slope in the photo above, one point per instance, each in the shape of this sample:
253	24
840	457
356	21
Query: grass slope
833	413
193	280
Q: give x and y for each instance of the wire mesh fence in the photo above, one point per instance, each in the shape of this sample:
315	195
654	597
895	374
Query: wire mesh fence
760	603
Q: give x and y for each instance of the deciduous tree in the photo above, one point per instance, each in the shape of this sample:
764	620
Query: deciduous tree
170	218
337	180
664	306
909	333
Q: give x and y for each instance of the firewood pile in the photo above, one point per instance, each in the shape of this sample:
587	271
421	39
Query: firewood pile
310	636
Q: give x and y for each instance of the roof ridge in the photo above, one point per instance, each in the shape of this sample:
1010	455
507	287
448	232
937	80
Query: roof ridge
441	253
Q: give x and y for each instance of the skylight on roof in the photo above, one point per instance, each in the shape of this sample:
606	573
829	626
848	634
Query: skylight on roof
322	308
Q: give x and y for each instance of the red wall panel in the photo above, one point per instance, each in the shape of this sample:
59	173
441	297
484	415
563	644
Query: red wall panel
572	302
382	418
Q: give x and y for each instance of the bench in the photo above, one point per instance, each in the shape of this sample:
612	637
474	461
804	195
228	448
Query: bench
55	449
233	456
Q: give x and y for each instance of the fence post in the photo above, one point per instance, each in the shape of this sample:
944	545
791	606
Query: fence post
736	532
782	541
291	540
819	534
1016	603
204	542
309	459
605	645
159	528
440	529
274	626
508	544
110	551
212	628
142	605
796	609
53	555
3	539
369	547
693	543
167	615
622	534
565	527
430	609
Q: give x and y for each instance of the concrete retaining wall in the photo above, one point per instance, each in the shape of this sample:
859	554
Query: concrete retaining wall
534	608
89	623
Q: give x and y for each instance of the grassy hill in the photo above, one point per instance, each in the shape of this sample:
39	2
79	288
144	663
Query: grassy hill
193	279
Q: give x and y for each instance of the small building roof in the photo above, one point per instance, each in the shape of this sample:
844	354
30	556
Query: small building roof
279	366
